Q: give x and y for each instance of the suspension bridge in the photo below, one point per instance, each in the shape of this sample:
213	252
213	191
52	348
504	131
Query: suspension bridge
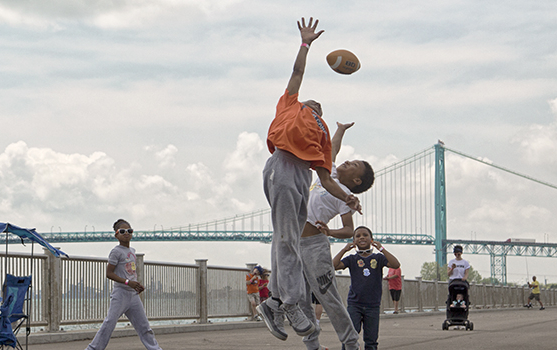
407	205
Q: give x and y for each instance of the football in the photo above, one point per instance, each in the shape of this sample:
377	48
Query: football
343	61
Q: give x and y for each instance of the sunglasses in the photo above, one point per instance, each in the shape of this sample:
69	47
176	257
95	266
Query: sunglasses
125	230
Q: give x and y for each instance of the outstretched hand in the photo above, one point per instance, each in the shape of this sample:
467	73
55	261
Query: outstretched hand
346	126
308	32
354	203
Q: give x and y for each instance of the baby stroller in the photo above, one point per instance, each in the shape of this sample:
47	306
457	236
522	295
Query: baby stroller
457	311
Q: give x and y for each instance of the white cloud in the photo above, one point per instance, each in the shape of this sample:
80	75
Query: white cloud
108	14
247	159
538	143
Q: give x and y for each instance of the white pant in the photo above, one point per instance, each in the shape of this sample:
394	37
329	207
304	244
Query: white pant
125	302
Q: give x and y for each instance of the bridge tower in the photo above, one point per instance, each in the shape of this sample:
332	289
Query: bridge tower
440	205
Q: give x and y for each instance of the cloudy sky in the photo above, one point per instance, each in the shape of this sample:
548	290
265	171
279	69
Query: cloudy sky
157	111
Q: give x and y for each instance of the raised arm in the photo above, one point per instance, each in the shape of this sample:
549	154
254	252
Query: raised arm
308	35
333	188
392	261
337	260
336	141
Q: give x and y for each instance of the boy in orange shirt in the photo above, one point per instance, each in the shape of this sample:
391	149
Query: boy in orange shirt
252	285
299	140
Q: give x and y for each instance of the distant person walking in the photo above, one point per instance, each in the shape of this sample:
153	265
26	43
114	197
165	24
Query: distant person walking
458	268
394	277
535	294
124	298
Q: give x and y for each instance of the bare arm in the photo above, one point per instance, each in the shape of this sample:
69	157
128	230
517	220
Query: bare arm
392	261
336	141
347	230
308	35
466	275
450	270
337	263
250	281
333	188
111	275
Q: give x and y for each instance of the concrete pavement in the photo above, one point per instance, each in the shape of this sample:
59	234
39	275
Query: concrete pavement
516	328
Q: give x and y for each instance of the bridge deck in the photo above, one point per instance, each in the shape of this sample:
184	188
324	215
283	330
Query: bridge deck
498	329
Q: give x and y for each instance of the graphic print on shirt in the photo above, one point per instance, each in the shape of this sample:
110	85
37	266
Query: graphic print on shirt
130	264
325	281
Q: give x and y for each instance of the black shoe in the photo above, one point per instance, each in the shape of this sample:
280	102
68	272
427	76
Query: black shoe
542	308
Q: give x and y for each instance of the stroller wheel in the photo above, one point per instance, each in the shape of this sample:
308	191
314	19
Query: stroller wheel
471	326
445	325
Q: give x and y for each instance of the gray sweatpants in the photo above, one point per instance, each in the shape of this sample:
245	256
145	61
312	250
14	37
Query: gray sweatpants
286	181
320	279
125	302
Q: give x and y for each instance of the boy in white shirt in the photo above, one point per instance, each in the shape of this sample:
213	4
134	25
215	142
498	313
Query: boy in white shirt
352	176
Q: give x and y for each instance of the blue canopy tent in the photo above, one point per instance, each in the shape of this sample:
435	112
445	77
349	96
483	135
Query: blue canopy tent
12	284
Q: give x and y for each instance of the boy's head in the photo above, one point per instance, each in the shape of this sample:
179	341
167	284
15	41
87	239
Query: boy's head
122	231
459	297
362	237
357	175
316	106
258	270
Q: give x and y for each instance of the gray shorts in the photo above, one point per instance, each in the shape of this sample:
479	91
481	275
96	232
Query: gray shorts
534	296
254	297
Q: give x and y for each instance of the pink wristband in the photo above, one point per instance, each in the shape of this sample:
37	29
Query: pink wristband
381	249
305	45
127	281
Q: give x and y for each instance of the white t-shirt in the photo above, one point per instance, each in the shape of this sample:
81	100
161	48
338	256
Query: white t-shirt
322	205
458	271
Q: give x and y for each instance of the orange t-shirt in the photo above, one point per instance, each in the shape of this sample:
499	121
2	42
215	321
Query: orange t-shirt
254	286
299	130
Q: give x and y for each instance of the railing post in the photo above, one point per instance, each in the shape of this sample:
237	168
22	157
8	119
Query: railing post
202	290
436	308
420	301
401	302
139	268
54	303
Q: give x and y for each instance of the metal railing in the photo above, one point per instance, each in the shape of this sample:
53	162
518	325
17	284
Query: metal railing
76	291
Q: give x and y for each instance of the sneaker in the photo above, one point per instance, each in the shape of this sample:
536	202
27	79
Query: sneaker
298	320
273	316
542	308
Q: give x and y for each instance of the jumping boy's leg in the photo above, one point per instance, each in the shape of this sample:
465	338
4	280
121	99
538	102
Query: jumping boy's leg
119	303
319	273
137	317
311	341
286	181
